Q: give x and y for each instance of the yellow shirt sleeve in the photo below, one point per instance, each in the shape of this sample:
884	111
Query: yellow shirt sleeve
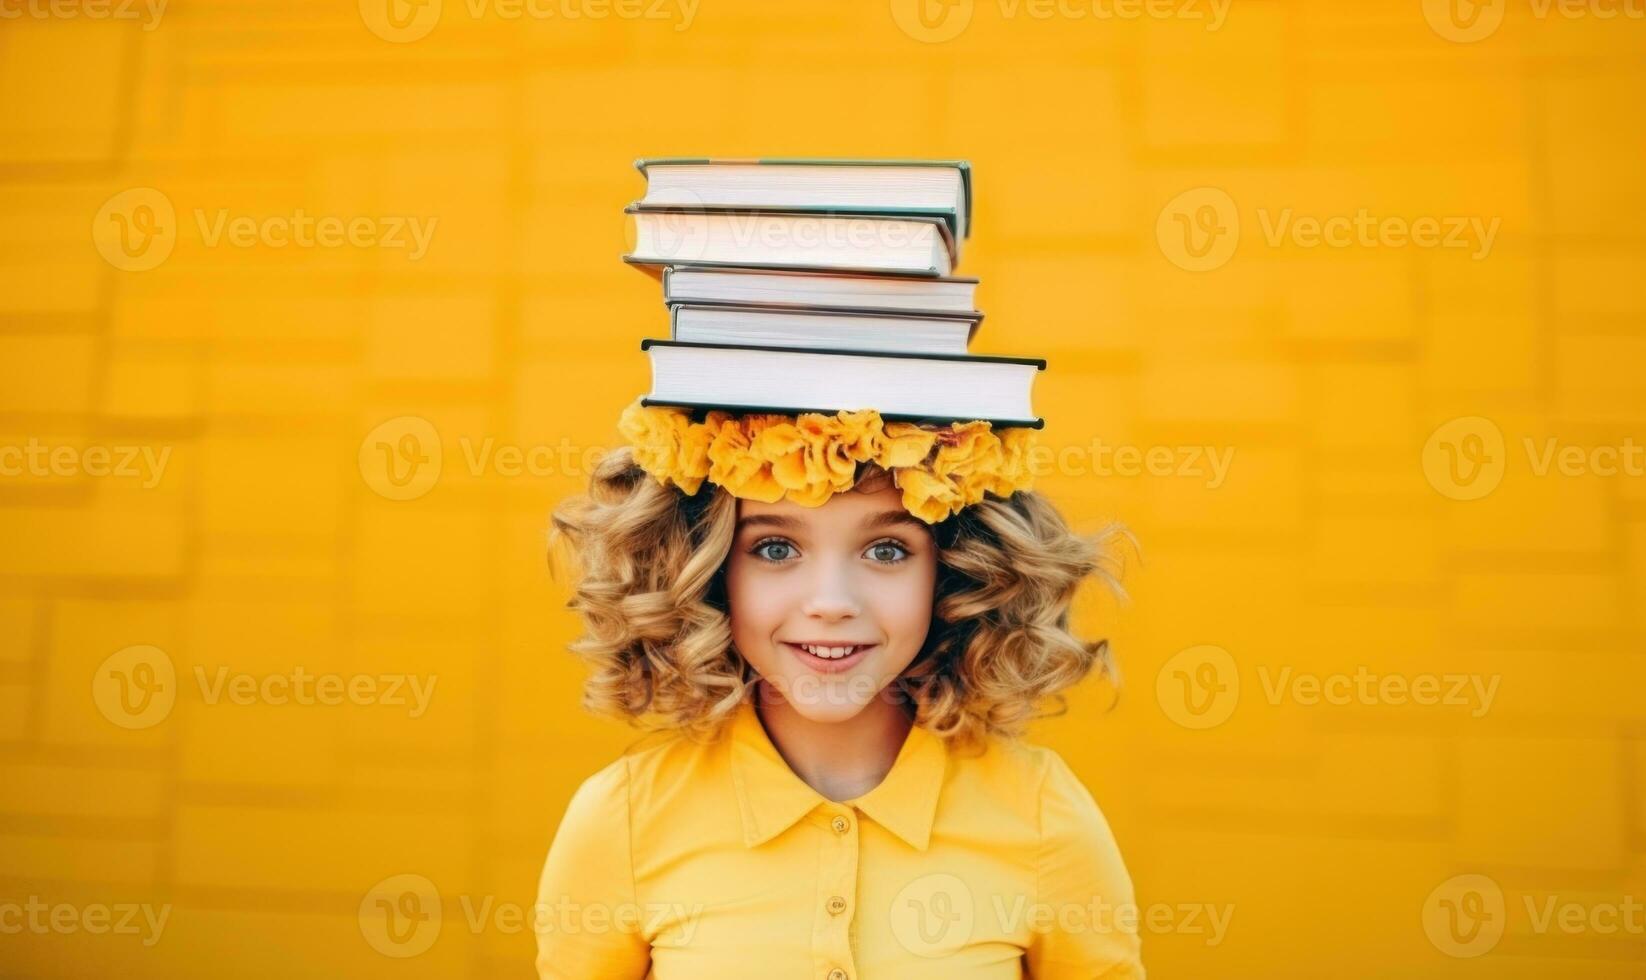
588	922
1084	882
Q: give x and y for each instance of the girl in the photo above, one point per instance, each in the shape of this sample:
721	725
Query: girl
839	641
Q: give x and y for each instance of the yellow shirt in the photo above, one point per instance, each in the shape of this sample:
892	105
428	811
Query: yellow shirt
692	861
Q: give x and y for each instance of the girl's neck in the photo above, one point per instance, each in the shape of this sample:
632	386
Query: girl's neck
841	760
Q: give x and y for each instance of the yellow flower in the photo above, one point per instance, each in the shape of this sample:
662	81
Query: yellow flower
861	434
904	444
782	448
1017	471
656	434
668	444
735	466
967	448
827	459
809	458
692	462
928	497
969	455
815	495
1003	473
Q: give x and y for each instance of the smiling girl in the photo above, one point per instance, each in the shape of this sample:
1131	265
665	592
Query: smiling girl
837	629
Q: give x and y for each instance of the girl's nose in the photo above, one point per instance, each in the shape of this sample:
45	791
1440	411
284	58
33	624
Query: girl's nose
832	595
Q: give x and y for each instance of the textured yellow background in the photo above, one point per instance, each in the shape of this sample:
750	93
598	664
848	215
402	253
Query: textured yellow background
274	376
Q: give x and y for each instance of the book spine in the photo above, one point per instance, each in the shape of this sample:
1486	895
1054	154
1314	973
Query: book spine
1039	363
698	407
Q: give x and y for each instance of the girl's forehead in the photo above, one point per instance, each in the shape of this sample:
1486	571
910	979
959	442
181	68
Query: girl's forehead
853	510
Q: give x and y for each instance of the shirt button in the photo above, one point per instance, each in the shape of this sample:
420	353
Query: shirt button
836	905
840	825
837	974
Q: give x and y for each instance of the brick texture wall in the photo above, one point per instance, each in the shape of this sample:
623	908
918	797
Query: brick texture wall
309	311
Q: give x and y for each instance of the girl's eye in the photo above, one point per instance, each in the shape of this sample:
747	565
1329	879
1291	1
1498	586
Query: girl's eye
763	550
879	551
777	551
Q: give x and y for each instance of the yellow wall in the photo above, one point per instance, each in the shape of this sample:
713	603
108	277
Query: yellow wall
1140	180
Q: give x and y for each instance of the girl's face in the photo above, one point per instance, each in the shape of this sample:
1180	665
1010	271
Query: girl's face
857	572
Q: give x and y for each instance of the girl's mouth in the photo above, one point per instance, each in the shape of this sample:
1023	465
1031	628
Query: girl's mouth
829	660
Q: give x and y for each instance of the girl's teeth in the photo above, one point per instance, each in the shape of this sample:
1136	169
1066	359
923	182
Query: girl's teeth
828	653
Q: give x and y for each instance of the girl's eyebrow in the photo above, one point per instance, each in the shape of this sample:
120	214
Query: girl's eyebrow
892	518
770	520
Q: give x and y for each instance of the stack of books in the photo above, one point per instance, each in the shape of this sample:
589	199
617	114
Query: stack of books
820	286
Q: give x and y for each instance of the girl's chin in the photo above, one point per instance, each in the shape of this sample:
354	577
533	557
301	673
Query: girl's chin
826	711
817	698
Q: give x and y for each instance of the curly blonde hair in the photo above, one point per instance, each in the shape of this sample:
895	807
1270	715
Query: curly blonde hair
658	638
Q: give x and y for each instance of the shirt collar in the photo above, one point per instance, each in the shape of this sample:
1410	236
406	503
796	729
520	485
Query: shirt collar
771	798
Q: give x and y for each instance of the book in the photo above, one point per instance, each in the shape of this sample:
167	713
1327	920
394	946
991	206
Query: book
936	187
788	380
913	244
819	327
778	287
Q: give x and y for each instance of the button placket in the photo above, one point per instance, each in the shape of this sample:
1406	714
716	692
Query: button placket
837	895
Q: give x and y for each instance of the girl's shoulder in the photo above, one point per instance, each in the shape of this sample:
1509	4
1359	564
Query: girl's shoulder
657	761
1034	778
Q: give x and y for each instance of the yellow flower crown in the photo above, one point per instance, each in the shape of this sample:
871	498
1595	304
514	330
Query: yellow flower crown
810	457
